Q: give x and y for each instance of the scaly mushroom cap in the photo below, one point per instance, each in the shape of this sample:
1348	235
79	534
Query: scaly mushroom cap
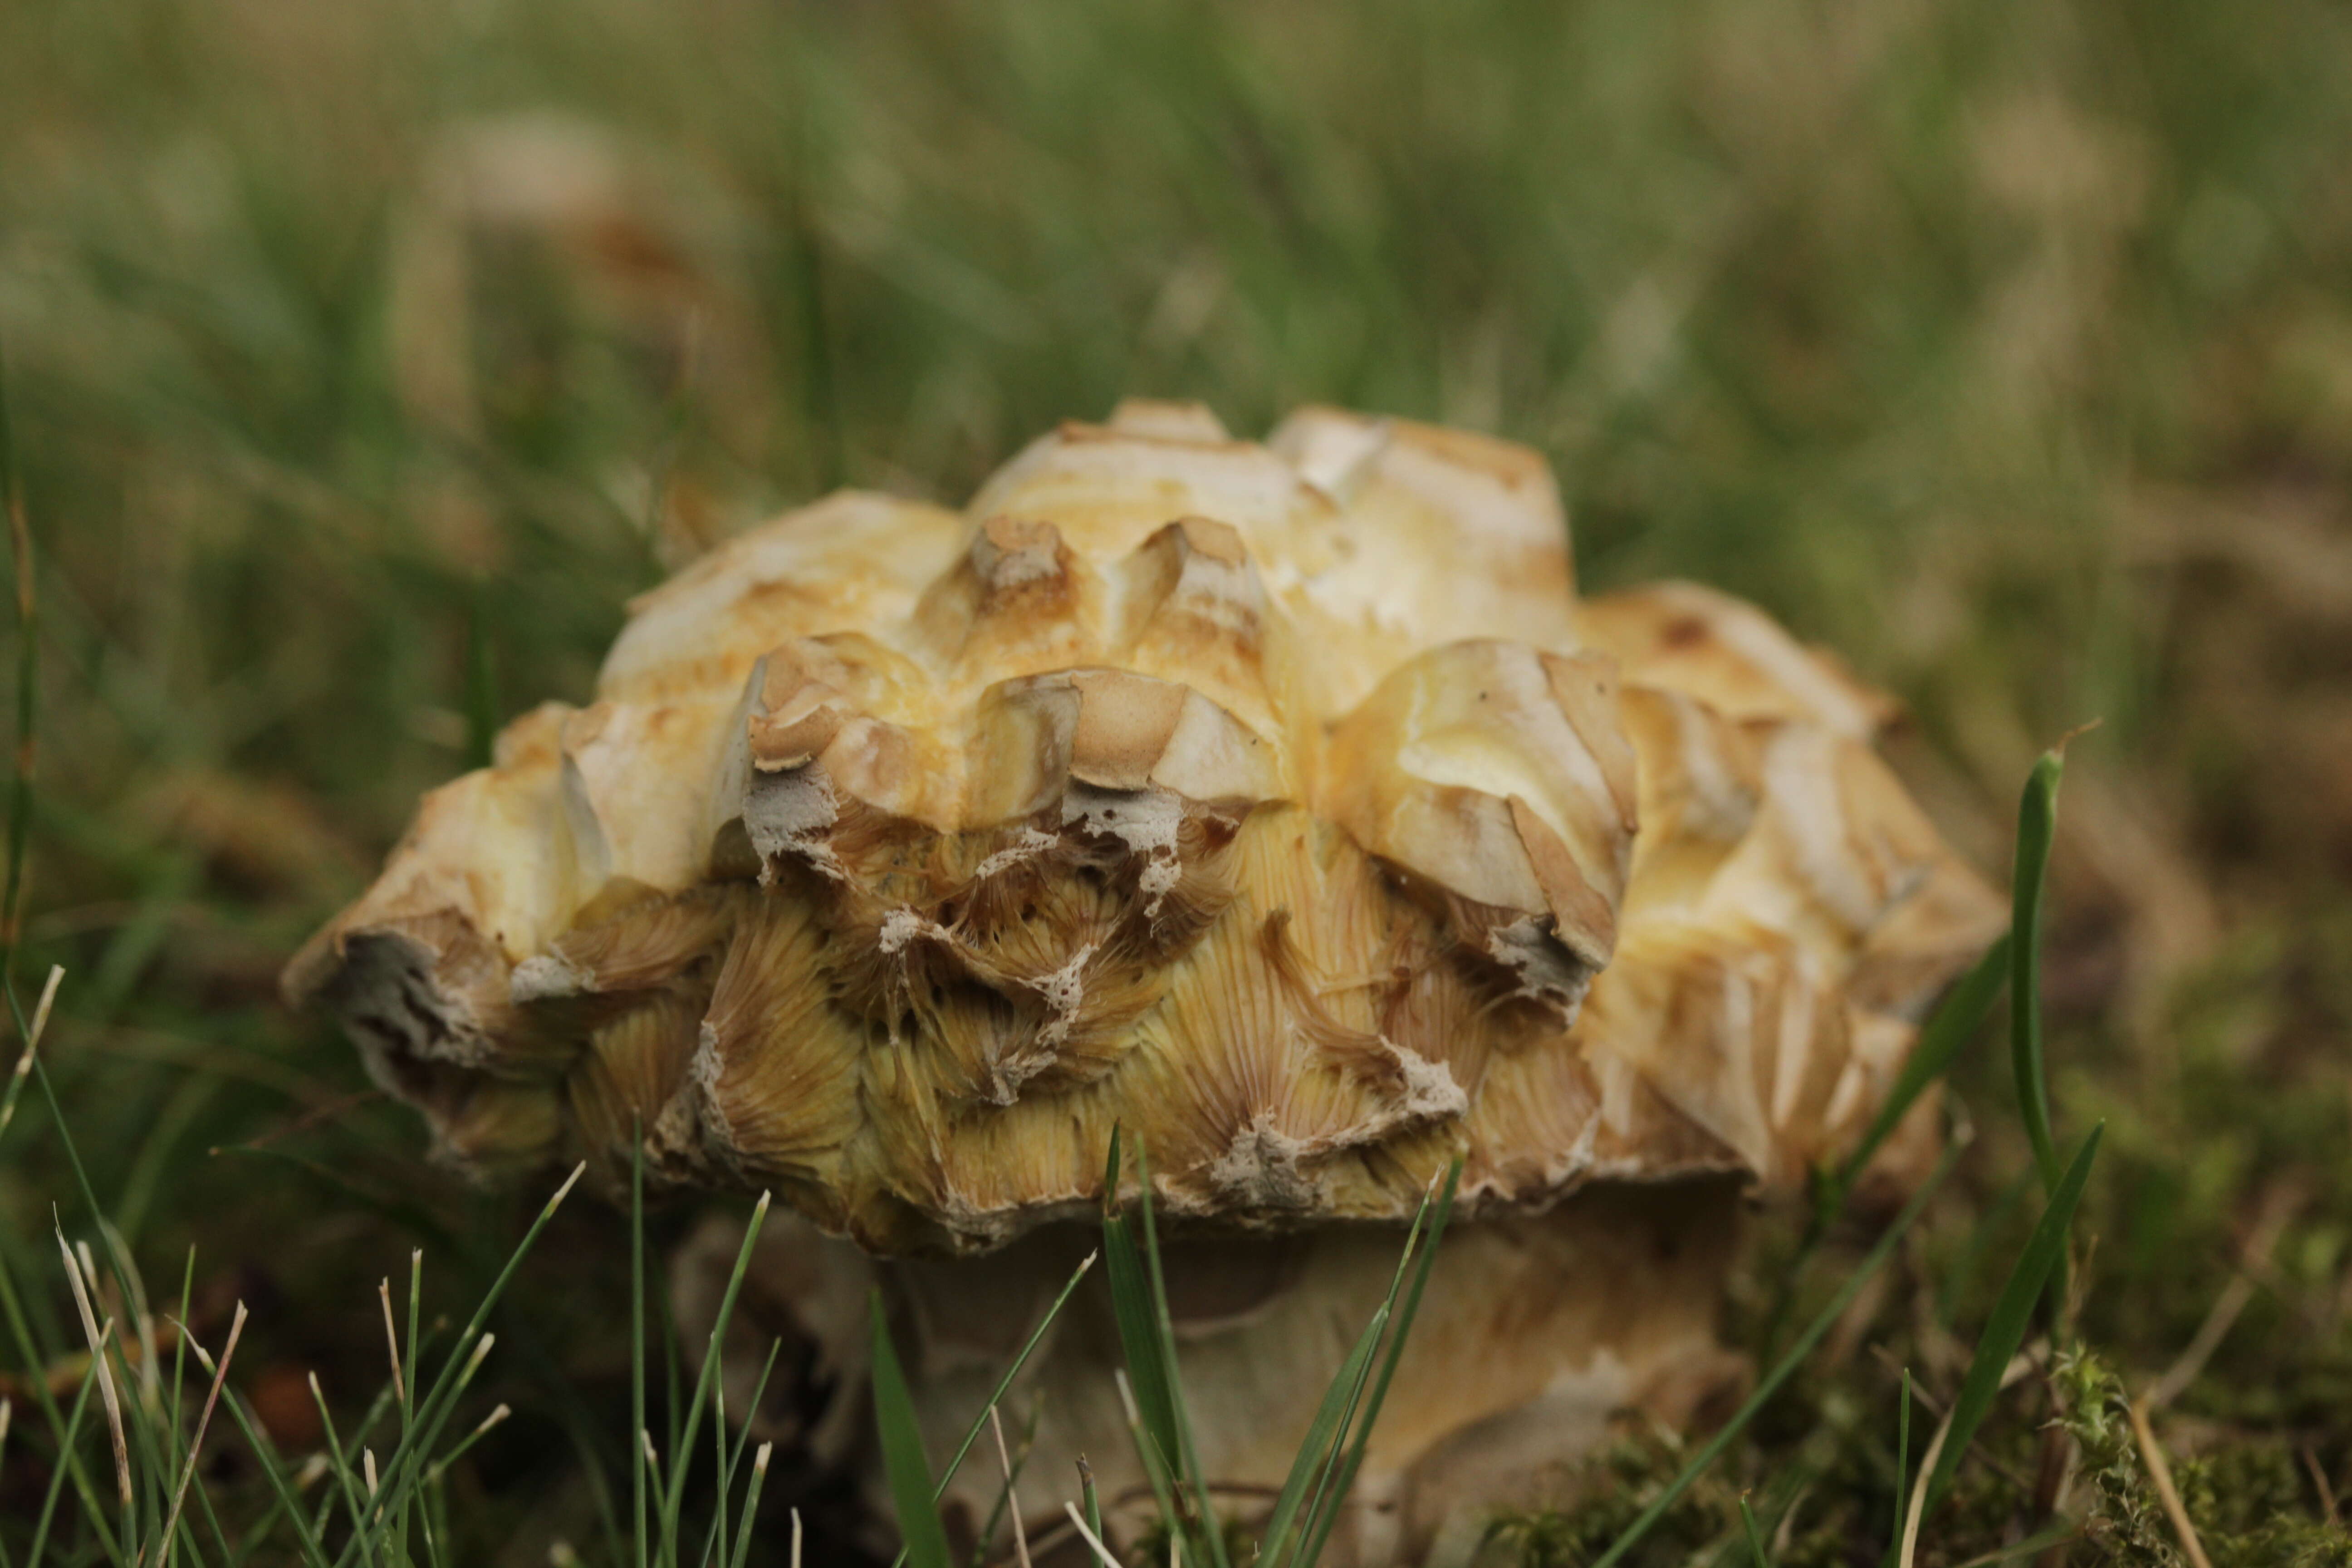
1279	803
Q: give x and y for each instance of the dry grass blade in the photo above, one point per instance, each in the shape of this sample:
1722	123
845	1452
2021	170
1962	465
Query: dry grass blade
2234	1298
487	1424
313	1553
433	1411
196	1443
2319	1482
1918	1508
32	1043
106	1389
1102	1552
1003	1463
2159	1470
391	1344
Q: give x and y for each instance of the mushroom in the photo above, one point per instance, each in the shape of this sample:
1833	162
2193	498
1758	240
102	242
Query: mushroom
1278	804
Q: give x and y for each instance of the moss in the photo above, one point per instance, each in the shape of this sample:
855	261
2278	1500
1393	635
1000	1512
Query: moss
2123	1521
1612	1488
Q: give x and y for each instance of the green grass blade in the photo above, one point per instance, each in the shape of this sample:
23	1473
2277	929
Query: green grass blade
1984	1228
681	1454
1953	1023
1130	1299
1092	1498
730	1460
716	1536
67	1438
638	1331
1194	1493
1951	1026
2012	1314
903	1463
1783	1368
1325	1438
256	1534
481	685
649	1464
1323	1504
1402	1328
1755	1537
154	1455
1005	1382
115	1261
482	1429
212	1522
267	1454
1159	1472
1011	1371
758	1393
362	1533
179	1357
1149	1376
408	1387
2037	824
1143	1382
1132	1310
1902	1468
28	657
742	1553
673	1378
2032	1545
407	1464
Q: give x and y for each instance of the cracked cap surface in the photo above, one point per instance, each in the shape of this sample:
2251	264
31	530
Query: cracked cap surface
1280	803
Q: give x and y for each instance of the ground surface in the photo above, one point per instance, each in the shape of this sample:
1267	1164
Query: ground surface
358	352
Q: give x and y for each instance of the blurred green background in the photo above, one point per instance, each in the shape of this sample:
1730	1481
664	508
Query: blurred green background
364	357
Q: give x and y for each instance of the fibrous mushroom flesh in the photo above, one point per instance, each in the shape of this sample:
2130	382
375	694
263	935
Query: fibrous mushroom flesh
1281	804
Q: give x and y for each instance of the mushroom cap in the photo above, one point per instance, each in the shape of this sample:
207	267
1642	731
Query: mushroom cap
1279	803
